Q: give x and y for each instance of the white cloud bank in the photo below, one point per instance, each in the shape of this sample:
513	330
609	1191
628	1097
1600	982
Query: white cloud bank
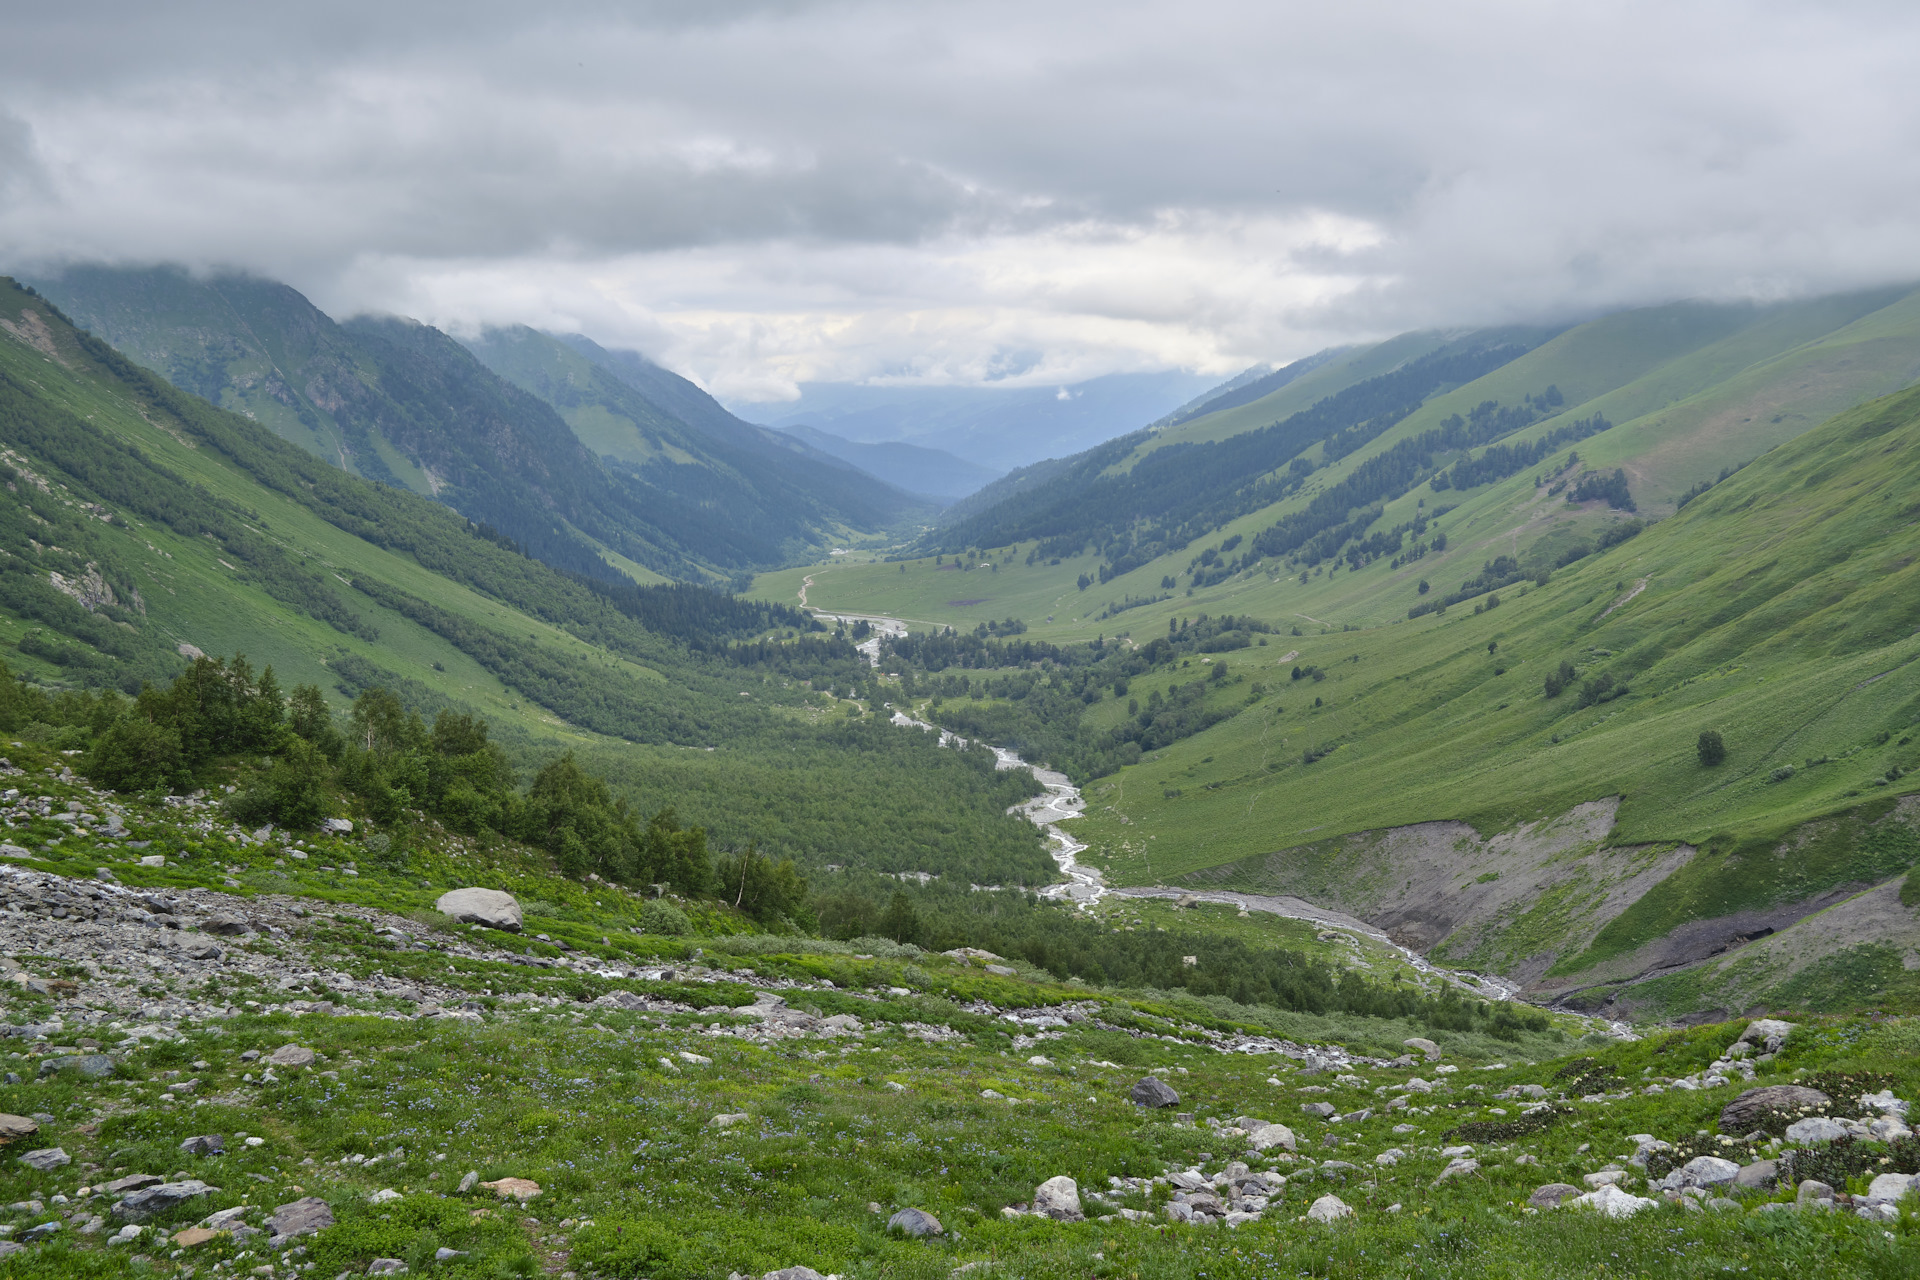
760	194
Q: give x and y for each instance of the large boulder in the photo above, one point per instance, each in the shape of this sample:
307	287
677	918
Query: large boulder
1889	1187
291	1055
489	907
13	1128
1816	1129
141	1205
1150	1092
1058	1198
1757	1176
1424	1046
90	1066
1756	1108
46	1159
1768	1033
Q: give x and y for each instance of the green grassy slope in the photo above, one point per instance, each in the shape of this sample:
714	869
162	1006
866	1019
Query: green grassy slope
1779	609
235	540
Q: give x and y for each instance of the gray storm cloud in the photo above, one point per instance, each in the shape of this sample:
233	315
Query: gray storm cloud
760	193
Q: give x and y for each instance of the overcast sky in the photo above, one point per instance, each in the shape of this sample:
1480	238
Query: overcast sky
758	194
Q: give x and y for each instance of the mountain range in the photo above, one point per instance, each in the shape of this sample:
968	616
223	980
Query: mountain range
598	464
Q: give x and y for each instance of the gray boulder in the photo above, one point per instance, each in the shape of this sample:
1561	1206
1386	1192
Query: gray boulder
489	907
1150	1092
1324	1110
141	1205
1424	1046
291	1055
225	926
132	1182
92	1066
1058	1198
793	1273
1752	1109
1757	1176
46	1159
205	1144
1550	1196
304	1217
1268	1136
13	1128
386	1267
915	1222
1701	1171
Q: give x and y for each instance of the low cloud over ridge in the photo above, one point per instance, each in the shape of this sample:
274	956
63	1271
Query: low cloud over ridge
761	194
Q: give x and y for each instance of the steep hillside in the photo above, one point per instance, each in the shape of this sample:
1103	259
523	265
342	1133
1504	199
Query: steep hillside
403	404
1513	778
141	524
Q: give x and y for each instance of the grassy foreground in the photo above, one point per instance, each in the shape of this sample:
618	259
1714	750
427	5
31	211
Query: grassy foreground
940	1086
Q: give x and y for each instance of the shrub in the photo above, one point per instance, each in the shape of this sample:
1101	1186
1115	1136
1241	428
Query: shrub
1713	748
664	918
135	754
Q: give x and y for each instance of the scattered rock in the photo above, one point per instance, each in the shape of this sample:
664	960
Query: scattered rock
13	1128
489	907
793	1273
727	1120
386	1267
225	926
521	1189
1812	1191
144	1204
466	1183
1748	1111
1550	1196
304	1217
1058	1198
205	1144
1150	1092
193	1237
1328	1208
1757	1176
1324	1110
1422	1045
1458	1169
46	1159
291	1055
385	1195
917	1222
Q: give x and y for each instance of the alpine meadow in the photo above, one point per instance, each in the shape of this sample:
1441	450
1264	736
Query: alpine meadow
627	654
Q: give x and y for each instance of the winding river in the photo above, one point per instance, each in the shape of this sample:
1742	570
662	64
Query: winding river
1085	886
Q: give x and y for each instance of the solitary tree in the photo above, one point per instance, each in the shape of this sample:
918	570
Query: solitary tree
1713	748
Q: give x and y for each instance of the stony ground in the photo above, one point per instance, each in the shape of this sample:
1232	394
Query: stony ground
243	1061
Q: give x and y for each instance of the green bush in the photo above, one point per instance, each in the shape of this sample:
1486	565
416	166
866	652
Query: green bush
1713	748
135	754
664	918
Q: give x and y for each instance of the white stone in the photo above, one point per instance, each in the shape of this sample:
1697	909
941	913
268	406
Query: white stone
1613	1202
1268	1136
1328	1208
385	1195
1816	1129
489	907
1058	1198
1701	1171
1889	1187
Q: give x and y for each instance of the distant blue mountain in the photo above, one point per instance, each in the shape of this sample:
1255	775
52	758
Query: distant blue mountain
992	427
931	473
